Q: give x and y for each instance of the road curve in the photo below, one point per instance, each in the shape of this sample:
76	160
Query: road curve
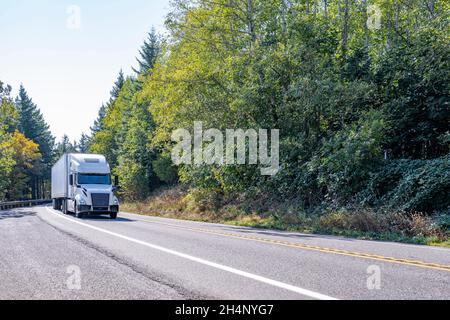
48	255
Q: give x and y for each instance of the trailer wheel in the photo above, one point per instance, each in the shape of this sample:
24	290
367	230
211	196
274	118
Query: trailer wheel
57	204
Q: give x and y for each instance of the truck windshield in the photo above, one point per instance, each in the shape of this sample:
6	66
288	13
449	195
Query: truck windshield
94	178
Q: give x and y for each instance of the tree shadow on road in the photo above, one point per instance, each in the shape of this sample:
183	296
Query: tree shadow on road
16	214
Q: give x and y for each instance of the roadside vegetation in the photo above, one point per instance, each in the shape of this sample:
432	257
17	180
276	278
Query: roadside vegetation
358	89
27	148
361	223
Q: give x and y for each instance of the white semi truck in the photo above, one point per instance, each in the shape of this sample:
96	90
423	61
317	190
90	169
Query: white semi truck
81	183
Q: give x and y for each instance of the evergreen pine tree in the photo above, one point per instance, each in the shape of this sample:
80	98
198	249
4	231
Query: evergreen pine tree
83	144
98	126
65	146
118	85
33	126
149	52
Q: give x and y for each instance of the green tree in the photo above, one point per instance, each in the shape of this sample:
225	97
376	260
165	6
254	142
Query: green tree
83	144
32	124
356	88
118	85
148	54
65	146
98	125
8	118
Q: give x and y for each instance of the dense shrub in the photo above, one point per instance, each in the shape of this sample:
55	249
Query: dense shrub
164	169
421	185
345	162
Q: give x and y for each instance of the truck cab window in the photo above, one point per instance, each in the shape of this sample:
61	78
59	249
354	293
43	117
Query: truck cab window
84	178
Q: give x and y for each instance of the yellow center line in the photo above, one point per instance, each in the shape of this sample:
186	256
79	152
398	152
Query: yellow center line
415	263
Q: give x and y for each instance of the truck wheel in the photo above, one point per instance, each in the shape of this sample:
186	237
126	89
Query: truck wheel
64	207
113	215
55	204
79	215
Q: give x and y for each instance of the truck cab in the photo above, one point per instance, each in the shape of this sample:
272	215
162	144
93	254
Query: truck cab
82	184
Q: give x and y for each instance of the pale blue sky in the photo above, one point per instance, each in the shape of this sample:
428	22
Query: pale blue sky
68	71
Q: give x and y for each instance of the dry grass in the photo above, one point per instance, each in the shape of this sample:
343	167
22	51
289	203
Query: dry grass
392	222
174	203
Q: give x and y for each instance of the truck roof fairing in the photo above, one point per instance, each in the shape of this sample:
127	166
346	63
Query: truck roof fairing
89	163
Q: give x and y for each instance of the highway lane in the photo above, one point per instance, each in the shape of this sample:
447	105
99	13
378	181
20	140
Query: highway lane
154	258
37	262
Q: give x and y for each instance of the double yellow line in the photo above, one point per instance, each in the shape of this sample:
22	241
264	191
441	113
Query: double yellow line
415	263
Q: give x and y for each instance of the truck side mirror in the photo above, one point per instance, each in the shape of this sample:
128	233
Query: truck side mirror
116	181
71	179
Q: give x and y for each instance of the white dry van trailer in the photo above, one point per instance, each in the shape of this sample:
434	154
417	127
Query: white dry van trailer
81	183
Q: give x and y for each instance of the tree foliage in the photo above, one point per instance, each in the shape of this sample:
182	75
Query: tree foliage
148	54
124	139
24	154
19	155
32	124
356	88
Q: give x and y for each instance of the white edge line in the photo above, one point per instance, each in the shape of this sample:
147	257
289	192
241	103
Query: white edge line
274	283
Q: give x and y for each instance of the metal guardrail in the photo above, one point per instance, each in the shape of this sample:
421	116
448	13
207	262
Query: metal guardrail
24	203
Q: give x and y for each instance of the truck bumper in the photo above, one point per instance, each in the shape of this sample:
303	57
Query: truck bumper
97	210
83	208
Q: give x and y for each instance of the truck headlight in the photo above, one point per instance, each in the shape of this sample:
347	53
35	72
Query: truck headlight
82	202
116	201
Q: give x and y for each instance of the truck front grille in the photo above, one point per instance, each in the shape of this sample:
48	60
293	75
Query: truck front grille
100	199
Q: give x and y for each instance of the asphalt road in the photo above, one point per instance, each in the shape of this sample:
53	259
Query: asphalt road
47	255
